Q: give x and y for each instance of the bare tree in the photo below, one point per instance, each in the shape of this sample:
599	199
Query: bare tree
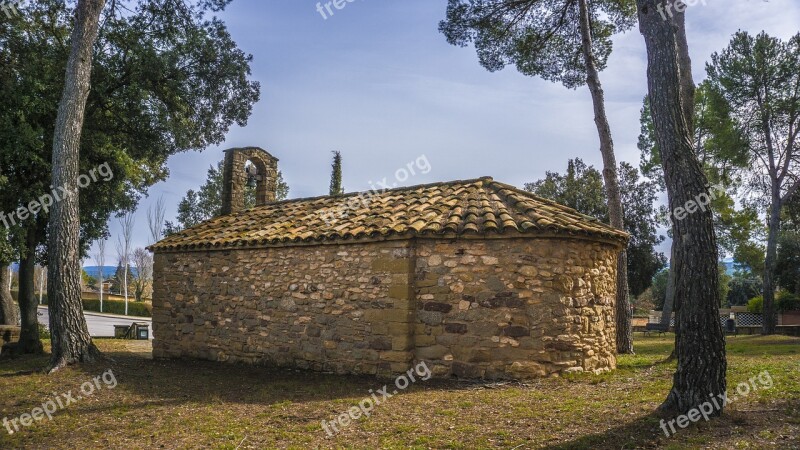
124	251
155	220
100	260
142	282
41	273
71	341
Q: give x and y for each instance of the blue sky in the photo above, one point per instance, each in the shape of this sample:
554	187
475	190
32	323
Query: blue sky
379	83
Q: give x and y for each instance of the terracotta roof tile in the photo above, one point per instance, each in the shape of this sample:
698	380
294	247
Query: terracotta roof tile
481	206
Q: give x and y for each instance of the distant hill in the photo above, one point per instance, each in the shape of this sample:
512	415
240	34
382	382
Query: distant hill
108	271
93	271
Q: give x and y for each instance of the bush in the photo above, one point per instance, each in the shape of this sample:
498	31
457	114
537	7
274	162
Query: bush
44	332
756	305
786	301
138	309
743	287
659	289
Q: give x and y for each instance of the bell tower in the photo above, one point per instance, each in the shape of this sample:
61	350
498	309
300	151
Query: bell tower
262	172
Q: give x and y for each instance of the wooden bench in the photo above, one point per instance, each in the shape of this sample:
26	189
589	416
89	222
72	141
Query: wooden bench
655	328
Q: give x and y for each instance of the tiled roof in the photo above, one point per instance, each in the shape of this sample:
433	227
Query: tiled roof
479	207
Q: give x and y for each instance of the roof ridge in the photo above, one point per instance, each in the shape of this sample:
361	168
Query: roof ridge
380	191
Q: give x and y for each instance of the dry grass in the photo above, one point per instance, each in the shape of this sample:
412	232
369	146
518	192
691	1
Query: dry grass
193	404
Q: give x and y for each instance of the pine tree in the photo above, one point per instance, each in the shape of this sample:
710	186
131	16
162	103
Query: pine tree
336	174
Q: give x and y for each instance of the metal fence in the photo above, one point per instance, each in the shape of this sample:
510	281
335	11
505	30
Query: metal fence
743	319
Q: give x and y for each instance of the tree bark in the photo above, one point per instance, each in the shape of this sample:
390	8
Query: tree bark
8	310
702	364
685	63
770	319
674	269
610	176
29	341
71	342
687	100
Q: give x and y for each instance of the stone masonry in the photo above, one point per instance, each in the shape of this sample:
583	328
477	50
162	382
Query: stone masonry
516	308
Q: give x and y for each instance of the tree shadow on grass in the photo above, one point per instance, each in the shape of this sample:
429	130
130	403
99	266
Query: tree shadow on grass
645	432
200	381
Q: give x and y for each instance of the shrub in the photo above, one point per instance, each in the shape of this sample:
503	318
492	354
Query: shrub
138	309
756	305
743	287
786	301
44	332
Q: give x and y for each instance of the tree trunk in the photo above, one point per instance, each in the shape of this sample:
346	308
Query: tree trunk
610	176
700	342
672	281
71	340
8	310
29	341
770	319
685	64
101	288
671	303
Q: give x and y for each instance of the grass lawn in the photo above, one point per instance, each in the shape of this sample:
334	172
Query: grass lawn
195	404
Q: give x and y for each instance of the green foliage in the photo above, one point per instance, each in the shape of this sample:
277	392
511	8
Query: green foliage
791	214
723	151
541	38
661	279
756	305
138	309
743	287
87	279
724	286
336	175
758	76
787	301
44	332
660	289
787	266
198	206
118	280
582	189
166	78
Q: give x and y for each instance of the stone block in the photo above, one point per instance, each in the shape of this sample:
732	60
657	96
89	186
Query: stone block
436	306
457	328
433	352
466	370
430	317
396	356
399	291
391	265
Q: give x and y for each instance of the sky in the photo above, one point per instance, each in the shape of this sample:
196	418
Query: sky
379	83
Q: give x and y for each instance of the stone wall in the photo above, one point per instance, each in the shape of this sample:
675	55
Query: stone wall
345	309
502	308
515	308
235	179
